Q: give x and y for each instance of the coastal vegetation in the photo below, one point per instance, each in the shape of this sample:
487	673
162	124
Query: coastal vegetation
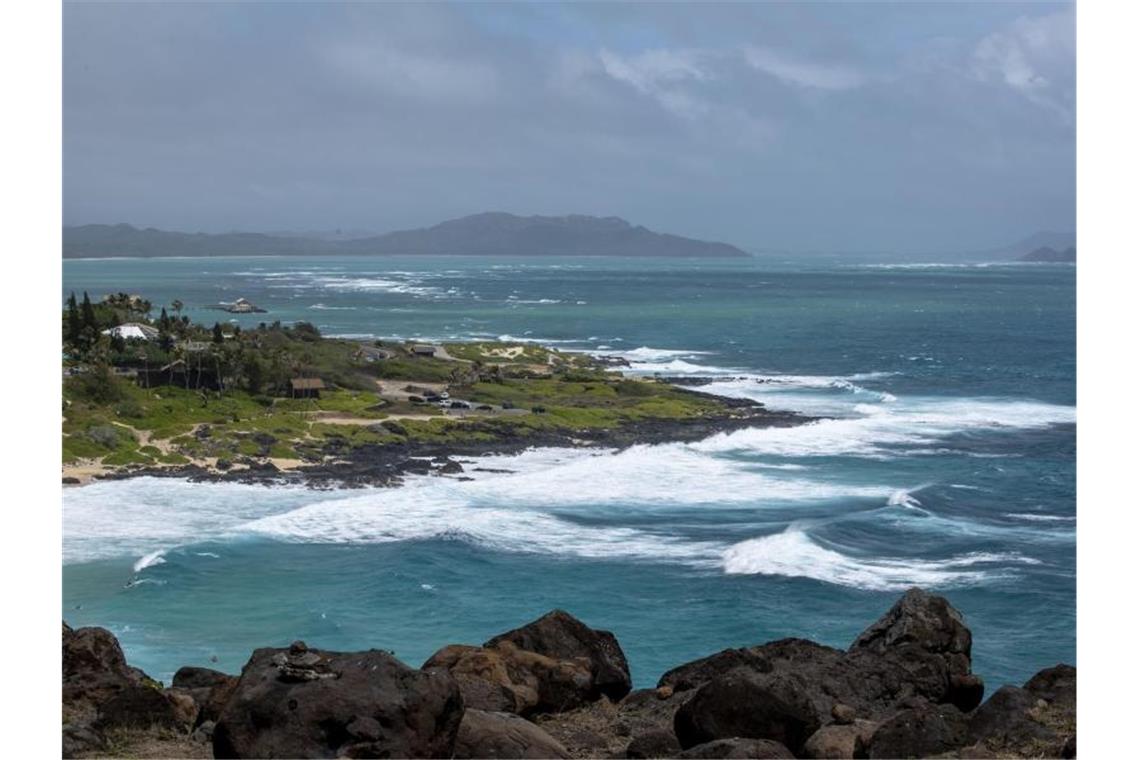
225	399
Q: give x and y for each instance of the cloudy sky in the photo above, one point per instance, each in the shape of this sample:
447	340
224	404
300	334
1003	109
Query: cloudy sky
872	126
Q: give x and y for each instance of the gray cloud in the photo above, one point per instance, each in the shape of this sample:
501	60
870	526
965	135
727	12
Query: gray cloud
818	126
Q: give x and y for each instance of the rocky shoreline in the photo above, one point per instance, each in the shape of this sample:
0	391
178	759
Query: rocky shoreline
559	689
387	464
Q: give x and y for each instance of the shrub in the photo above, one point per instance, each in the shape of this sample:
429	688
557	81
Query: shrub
130	408
107	436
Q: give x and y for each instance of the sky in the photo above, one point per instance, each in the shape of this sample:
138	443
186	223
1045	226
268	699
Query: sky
806	126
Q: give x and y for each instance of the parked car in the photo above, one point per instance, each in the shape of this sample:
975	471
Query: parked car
508	405
485	408
444	394
460	405
417	399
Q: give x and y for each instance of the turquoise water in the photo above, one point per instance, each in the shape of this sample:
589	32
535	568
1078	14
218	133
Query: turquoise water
947	461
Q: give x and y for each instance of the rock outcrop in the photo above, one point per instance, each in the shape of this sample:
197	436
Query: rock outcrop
211	689
102	694
560	689
503	735
301	702
553	664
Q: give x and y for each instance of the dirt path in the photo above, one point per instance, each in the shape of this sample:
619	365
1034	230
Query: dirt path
336	418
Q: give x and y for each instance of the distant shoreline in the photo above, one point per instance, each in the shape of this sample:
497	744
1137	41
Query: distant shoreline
354	254
385	465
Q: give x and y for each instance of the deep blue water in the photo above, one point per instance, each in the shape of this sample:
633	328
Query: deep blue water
949	462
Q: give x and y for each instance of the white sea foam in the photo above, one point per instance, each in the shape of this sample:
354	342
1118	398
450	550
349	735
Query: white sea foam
794	554
150	560
894	430
903	498
136	517
1034	517
430	512
325	307
379	284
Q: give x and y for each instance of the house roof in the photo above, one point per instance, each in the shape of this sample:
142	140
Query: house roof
307	383
133	330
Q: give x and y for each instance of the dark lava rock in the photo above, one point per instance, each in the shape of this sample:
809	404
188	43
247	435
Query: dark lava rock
94	671
503	735
509	679
69	480
928	637
560	635
450	468
605	729
553	664
1010	718
738	748
211	689
102	693
743	704
81	738
302	702
1056	685
840	740
660	742
200	678
919	732
143	707
698	672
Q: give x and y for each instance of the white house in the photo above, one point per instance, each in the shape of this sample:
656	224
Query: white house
132	331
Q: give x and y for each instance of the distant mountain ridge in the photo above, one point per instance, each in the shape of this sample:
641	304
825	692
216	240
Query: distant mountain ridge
1047	254
487	234
1038	244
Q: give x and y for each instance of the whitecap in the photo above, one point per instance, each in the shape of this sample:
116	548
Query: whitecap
150	560
794	554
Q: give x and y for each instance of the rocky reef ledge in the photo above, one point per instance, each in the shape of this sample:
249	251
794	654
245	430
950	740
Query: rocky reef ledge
556	688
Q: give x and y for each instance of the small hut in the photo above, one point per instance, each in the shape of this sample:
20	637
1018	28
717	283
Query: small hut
306	387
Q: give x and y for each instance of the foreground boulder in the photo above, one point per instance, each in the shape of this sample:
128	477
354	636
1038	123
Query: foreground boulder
745	704
210	689
554	664
301	702
562	636
926	636
840	740
503	735
1037	719
917	653
919	732
102	694
94	670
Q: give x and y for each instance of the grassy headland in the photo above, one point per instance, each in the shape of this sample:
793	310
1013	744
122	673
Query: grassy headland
224	402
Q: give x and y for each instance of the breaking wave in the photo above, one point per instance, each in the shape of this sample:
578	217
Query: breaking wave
794	554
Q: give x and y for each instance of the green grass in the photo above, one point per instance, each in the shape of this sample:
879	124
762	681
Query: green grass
482	351
579	397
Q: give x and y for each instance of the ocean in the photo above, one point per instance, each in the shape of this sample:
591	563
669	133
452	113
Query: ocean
946	460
